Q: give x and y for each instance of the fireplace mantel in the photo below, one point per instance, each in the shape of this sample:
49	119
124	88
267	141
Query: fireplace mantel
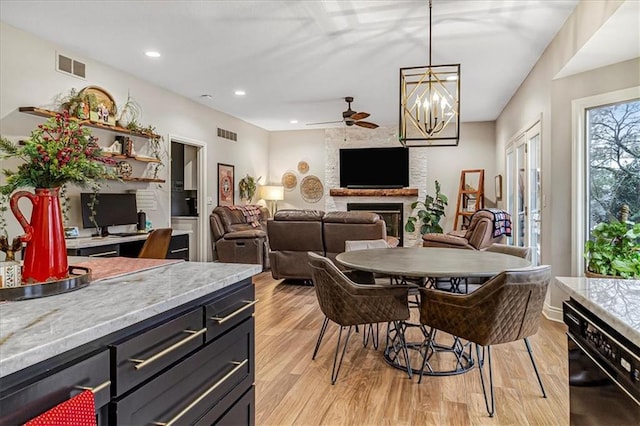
399	192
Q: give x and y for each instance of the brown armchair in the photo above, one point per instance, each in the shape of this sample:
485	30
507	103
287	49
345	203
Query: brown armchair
349	304
235	240
506	308
477	236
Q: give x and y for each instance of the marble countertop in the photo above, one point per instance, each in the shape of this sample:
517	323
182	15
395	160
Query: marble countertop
84	242
37	329
616	302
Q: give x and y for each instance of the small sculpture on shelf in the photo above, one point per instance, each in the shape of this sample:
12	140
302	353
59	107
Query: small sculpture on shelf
10	250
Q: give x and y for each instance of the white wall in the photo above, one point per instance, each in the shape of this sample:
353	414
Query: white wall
540	96
28	78
475	151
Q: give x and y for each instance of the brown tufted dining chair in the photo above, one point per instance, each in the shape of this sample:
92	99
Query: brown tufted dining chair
349	304
506	308
156	245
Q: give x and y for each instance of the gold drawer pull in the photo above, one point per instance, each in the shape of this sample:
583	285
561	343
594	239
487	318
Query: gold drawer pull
236	312
96	389
104	253
185	410
140	363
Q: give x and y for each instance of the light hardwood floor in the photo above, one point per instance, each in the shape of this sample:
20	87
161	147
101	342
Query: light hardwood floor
292	389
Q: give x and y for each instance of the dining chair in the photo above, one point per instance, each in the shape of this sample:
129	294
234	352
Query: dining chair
505	309
349	304
523	252
156	245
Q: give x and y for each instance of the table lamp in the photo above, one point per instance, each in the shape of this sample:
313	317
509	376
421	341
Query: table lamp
272	194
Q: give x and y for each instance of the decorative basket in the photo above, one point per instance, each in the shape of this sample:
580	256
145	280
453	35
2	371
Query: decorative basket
590	274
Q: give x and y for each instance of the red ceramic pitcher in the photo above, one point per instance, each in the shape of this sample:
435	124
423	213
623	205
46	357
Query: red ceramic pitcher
45	257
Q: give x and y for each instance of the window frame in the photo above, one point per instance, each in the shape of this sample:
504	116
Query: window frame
579	172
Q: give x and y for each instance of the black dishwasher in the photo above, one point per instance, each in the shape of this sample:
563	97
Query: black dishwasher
604	371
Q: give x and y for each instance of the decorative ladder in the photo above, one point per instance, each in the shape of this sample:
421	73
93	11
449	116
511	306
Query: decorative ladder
470	196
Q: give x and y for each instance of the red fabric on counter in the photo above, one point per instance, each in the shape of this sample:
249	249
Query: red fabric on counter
77	411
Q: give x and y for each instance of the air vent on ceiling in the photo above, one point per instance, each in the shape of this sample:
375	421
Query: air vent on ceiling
70	66
227	134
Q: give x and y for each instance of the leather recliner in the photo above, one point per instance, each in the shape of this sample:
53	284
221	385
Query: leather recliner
479	235
293	233
339	227
235	240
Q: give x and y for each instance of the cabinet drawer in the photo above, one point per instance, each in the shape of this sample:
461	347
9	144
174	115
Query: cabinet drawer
184	393
179	247
32	400
110	250
225	313
240	411
140	357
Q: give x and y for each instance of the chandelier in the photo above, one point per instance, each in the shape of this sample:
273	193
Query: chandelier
430	104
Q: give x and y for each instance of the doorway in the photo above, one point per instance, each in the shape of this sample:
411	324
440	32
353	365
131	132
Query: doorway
523	190
188	193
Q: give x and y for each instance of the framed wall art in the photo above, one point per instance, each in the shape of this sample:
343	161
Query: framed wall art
226	184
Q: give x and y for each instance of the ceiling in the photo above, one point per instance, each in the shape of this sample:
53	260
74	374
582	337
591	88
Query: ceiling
299	59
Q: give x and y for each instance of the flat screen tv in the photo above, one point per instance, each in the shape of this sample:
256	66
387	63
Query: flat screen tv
374	167
110	210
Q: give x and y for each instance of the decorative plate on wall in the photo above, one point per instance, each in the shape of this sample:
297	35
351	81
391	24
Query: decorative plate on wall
289	180
311	189
303	167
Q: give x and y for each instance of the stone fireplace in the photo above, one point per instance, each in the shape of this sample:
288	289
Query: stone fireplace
355	137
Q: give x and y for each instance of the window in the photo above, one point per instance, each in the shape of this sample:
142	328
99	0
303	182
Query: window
613	161
606	163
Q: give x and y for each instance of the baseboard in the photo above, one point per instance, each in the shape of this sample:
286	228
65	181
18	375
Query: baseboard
552	313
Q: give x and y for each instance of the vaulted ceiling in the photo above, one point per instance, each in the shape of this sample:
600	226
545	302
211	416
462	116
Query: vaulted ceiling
297	60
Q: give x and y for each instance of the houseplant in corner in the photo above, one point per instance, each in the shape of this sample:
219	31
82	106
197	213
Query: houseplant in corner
429	213
614	249
59	151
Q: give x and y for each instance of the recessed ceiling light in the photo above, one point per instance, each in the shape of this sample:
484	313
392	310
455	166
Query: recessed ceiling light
152	54
294	122
206	96
452	78
240	92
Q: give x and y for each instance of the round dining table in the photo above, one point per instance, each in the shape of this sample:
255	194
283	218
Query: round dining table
431	262
431	265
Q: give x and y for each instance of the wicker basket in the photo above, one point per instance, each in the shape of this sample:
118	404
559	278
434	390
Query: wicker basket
590	274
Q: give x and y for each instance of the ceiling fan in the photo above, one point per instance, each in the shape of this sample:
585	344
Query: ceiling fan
351	117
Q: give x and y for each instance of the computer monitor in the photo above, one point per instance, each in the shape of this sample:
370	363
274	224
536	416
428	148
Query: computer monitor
110	210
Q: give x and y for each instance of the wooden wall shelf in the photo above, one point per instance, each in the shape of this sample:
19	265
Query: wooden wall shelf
40	112
399	192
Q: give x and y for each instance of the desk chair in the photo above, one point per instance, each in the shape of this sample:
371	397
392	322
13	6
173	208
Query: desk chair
349	304
506	308
157	244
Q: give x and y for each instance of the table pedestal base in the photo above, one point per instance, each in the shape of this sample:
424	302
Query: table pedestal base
435	359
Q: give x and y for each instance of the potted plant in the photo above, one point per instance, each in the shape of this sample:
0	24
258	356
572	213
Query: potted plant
129	112
429	213
614	249
59	151
248	186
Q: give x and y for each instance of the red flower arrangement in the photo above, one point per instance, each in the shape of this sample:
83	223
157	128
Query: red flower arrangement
59	151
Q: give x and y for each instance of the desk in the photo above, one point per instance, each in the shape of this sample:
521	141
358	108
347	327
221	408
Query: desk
113	246
431	263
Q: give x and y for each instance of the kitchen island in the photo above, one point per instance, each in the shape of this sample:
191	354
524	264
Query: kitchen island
172	344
